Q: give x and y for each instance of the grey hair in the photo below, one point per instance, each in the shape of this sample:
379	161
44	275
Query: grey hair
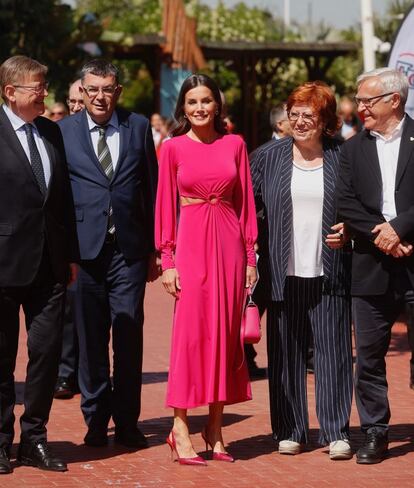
99	67
391	80
277	114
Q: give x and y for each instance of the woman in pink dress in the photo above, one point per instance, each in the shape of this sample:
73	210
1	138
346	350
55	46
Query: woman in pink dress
208	259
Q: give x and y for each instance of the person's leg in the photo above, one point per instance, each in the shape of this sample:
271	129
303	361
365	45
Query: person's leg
67	383
93	322
409	312
43	306
9	335
373	317
179	437
331	324
126	283
287	336
212	432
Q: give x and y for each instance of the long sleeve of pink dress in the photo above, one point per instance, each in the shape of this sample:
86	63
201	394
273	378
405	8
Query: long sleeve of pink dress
209	244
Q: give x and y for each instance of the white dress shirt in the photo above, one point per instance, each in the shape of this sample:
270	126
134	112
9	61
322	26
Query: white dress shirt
18	126
388	150
112	136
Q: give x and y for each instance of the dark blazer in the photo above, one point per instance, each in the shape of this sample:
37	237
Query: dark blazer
28	221
359	202
272	174
131	190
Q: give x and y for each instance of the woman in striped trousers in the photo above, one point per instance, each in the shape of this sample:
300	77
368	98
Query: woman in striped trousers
309	259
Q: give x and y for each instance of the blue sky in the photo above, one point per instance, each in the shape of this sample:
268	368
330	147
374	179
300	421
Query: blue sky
338	13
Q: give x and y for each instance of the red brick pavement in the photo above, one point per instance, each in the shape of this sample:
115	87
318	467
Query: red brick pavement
246	432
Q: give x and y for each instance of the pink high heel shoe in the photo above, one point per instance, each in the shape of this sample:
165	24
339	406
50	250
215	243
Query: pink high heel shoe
194	461
217	456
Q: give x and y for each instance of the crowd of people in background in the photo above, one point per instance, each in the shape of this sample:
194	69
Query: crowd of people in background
105	200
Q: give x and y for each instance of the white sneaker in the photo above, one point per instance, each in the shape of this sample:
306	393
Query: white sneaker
289	447
340	449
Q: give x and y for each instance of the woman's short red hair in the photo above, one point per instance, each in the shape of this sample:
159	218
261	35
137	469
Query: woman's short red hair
321	98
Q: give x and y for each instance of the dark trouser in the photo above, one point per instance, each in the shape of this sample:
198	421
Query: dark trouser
42	303
374	316
110	291
68	365
289	324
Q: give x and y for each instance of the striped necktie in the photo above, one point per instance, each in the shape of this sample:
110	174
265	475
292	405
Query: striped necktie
35	159
105	159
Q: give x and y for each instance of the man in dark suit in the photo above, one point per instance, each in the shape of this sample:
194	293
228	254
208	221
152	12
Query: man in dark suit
113	170
37	243
376	201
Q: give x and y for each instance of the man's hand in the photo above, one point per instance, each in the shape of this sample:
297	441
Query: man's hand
402	250
154	268
387	239
73	273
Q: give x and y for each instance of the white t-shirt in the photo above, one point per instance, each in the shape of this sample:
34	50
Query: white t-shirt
305	259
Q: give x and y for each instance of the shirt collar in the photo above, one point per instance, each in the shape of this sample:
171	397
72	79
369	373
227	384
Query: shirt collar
395	133
113	121
16	122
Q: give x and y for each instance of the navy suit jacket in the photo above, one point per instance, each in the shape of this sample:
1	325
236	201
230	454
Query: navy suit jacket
131	191
271	168
360	203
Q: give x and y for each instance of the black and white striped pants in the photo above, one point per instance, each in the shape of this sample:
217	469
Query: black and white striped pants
289	324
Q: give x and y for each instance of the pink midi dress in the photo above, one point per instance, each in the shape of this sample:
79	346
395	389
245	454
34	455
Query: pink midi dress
209	243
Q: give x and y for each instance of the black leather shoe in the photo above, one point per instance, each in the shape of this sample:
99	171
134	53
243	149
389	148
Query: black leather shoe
96	437
5	466
130	437
374	449
38	454
64	389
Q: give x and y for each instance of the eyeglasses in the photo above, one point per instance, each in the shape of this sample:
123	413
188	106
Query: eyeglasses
306	117
58	113
369	102
38	90
73	102
93	91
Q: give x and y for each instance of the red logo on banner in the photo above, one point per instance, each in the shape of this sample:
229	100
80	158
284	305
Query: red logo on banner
405	64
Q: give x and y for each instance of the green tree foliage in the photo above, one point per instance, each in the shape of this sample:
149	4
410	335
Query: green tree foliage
46	31
127	16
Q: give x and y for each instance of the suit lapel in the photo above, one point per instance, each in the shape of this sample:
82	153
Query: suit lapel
125	132
369	149
406	149
51	152
286	165
84	138
328	212
8	133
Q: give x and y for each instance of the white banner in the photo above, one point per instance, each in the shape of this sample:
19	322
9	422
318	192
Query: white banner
402	55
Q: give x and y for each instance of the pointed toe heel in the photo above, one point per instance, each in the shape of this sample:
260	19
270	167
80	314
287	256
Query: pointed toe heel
193	461
217	456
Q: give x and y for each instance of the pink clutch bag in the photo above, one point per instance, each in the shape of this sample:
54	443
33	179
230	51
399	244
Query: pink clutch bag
250	332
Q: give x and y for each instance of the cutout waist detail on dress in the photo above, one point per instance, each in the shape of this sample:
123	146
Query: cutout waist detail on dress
212	199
